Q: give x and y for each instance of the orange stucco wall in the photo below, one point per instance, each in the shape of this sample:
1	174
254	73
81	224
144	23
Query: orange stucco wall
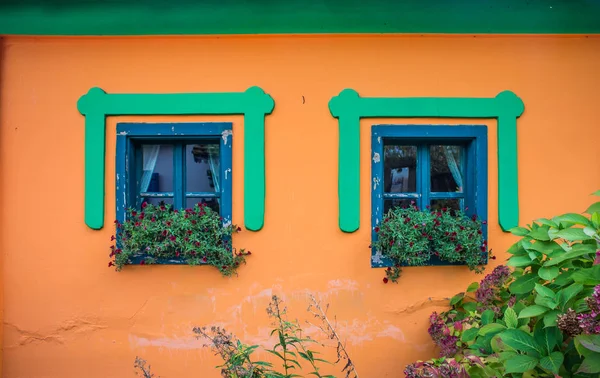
67	315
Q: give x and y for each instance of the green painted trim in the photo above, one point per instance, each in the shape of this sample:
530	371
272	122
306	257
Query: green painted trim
254	104
349	108
191	17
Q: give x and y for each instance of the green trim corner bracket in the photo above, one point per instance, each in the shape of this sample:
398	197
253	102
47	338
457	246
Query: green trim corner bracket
254	104
348	107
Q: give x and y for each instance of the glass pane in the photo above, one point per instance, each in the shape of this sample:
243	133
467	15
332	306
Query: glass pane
157	168
449	204
202	167
446	172
213	203
400	169
158	201
391	203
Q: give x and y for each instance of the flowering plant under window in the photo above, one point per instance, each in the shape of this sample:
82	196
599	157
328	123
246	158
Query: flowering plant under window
161	233
410	237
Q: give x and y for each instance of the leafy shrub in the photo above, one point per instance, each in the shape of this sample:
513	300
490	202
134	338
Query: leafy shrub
542	319
195	235
410	237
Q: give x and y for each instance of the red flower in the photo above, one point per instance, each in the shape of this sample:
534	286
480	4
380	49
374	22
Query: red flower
193	253
141	216
479	232
484	222
164	233
391	243
444	209
204	259
389	269
111	264
142	262
186	239
411	244
239	229
177	254
162	207
197	244
118	251
176	211
224	267
144	205
137	224
483	248
461	228
248	253
189	232
492	257
474	217
194	221
172	238
153	219
376	229
112	238
385	280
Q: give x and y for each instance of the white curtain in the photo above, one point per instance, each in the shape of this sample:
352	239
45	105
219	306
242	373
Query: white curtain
150	156
453	167
214	163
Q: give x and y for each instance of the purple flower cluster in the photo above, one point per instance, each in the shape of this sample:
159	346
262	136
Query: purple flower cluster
488	287
449	368
442	335
590	322
597	259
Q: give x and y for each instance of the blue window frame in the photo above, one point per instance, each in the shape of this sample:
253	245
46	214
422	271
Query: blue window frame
175	148
435	166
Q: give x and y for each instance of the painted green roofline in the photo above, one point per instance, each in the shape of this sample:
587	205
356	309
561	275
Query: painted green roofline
192	17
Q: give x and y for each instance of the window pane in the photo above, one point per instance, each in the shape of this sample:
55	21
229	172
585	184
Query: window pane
213	203
446	172
450	204
158	201
202	167
400	169
157	168
391	203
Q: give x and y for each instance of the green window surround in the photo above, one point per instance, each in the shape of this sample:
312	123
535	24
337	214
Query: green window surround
253	104
349	108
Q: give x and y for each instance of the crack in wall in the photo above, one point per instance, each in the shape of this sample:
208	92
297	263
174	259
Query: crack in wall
57	335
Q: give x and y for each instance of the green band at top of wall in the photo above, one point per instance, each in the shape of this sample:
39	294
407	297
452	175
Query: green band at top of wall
190	17
348	107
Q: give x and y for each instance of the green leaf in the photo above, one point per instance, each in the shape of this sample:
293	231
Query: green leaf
519	231
544	291
510	318
470	306
546	337
473	287
487	317
591	342
516	249
540	233
524	284
595	208
546	302
533	311
576	251
590	365
469	334
547	222
550	318
552	362
589	276
573	234
457	298
596	193
491	329
518	261
520	364
548	273
572	218
566	294
521	341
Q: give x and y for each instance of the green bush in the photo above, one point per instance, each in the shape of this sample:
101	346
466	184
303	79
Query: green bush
539	319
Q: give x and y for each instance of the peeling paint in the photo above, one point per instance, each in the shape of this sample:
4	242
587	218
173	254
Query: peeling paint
228	170
376	157
375	182
225	134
